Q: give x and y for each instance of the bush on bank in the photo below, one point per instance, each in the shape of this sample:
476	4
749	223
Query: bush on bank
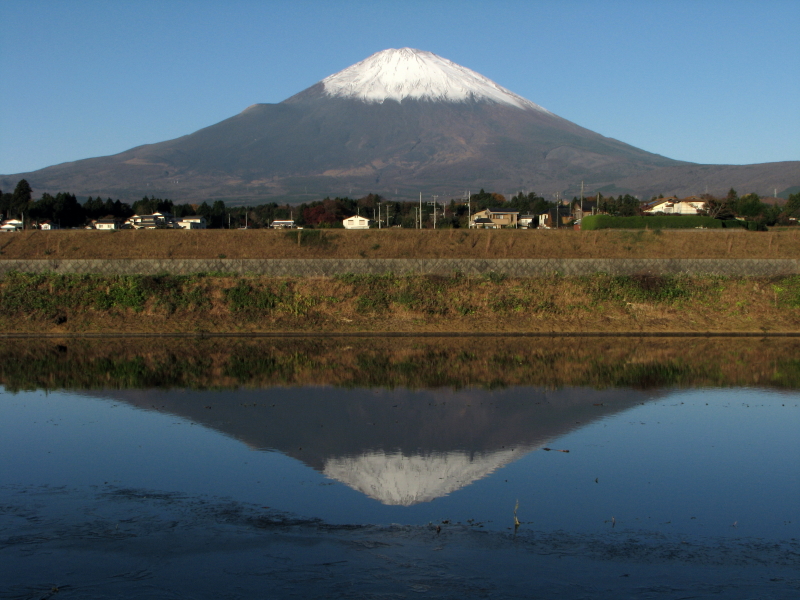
594	222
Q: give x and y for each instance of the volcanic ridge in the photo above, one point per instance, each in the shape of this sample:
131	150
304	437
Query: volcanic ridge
399	122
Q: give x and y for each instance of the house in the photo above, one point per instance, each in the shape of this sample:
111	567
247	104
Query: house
283	224
673	206
582	209
500	217
11	225
356	222
482	223
107	224
48	225
528	221
193	222
548	220
154	221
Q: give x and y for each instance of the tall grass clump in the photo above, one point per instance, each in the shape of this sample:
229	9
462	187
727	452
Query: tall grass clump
640	288
787	291
45	295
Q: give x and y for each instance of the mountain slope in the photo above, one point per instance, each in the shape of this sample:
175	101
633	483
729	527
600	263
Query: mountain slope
398	122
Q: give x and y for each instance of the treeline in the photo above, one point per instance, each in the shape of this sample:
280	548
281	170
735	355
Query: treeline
751	208
449	213
65	210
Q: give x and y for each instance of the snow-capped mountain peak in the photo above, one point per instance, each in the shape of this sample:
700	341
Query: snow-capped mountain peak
415	74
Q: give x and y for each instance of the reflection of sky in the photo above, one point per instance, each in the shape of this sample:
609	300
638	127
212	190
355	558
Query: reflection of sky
720	456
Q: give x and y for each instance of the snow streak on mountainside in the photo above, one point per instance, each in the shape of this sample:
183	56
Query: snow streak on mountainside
418	75
396	479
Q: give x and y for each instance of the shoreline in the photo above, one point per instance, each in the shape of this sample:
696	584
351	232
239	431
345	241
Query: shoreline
403	334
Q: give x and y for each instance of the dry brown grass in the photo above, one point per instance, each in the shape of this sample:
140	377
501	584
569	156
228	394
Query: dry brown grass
394	243
598	304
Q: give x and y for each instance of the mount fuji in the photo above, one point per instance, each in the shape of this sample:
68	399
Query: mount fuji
399	122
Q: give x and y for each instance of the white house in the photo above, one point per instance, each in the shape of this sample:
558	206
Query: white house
192	222
356	222
106	224
283	224
153	221
672	206
48	225
11	225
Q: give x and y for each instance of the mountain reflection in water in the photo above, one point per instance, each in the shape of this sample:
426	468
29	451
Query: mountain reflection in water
400	447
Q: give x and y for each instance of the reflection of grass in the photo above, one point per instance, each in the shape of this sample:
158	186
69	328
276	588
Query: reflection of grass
786	374
648	375
412	363
56	369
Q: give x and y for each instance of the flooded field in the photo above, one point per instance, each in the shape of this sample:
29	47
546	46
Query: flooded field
543	468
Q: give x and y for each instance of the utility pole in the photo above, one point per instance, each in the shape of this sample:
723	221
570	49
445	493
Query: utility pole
434	210
379	215
581	200
558	201
420	210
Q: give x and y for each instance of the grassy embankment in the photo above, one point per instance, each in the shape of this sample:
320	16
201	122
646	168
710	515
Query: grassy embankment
395	243
412	363
52	303
206	303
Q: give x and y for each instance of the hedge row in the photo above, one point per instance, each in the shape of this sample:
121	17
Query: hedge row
655	222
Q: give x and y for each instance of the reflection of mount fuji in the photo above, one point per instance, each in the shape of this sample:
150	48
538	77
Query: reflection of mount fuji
394	478
400	447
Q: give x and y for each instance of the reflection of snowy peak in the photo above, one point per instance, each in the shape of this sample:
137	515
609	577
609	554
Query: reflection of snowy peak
405	480
418	75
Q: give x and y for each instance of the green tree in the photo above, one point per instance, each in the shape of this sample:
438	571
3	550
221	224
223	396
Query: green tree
21	198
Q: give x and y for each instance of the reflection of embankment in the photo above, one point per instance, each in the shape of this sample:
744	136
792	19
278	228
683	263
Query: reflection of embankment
400	362
397	446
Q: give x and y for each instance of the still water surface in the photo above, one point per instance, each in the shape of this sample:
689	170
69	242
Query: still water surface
621	480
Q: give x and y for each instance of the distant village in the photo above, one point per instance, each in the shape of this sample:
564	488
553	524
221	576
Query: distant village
483	210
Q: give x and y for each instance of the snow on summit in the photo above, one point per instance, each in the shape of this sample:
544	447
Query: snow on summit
408	73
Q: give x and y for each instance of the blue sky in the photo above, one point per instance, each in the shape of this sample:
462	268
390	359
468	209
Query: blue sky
704	80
